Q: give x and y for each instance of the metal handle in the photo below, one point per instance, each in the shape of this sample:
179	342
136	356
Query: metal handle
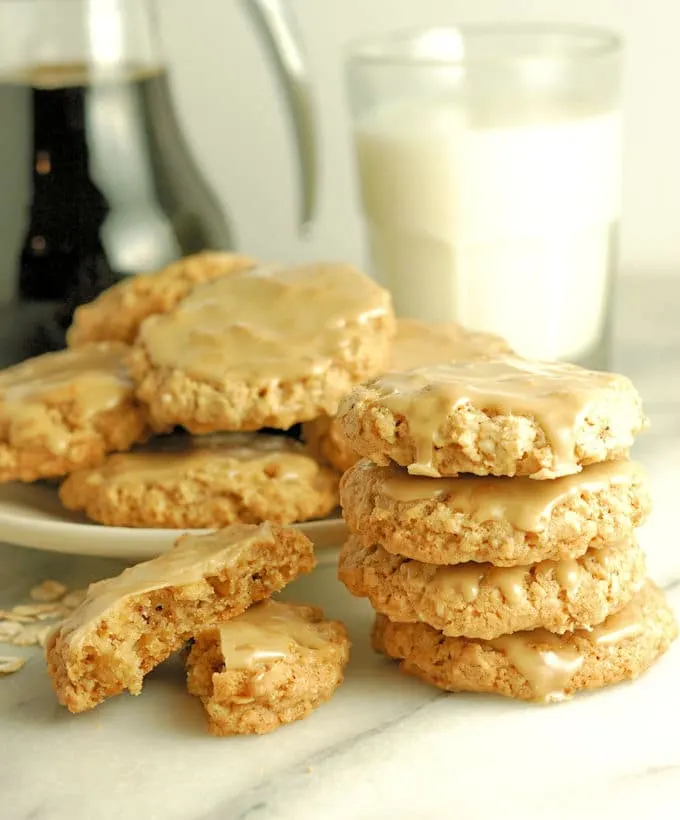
277	29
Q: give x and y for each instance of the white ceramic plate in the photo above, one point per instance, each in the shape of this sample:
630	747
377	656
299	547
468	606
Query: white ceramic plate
31	515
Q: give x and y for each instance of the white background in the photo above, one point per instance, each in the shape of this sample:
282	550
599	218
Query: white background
232	114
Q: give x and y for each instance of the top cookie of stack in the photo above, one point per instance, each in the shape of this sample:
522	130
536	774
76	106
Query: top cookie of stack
502	416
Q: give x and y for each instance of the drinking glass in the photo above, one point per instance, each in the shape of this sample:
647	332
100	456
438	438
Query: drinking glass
489	160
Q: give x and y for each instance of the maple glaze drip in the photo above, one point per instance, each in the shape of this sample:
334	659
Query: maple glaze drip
568	573
547	662
510	580
267	631
464	579
276	323
628	623
467	580
525	503
557	395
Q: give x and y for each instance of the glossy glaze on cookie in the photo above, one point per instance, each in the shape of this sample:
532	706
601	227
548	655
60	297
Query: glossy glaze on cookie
559	396
280	323
523	502
502	520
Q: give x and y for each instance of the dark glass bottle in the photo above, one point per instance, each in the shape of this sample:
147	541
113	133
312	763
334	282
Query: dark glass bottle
96	179
102	182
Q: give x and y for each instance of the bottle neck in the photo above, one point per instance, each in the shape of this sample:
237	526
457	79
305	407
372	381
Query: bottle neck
104	38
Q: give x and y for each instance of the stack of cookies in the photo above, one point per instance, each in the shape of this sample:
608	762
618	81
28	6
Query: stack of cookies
214	347
493	526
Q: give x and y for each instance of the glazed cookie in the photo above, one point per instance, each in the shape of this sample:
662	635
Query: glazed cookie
505	521
267	347
128	624
65	411
118	312
416	344
537	665
270	666
483	601
205	481
500	416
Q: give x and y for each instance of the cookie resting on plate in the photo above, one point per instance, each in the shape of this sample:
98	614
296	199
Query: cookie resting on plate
267	347
65	411
184	481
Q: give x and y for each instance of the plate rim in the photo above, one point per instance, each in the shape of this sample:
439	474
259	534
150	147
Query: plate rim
52	534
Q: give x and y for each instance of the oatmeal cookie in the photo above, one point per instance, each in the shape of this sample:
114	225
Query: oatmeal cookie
184	481
268	347
500	416
65	411
483	601
537	665
272	665
128	624
505	521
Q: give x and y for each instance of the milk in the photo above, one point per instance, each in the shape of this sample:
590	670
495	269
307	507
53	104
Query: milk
506	228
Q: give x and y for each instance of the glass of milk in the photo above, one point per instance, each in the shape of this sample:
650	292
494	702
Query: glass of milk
489	160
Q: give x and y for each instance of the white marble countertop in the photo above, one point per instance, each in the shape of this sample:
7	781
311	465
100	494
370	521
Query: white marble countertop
386	746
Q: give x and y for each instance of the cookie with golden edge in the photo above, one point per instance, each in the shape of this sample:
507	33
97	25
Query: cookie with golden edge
267	347
118	312
416	344
500	416
65	411
505	521
184	481
479	600
129	624
536	665
272	665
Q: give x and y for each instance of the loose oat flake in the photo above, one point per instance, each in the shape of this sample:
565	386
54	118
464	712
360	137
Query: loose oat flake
32	635
38	611
5	615
48	591
9	630
10	665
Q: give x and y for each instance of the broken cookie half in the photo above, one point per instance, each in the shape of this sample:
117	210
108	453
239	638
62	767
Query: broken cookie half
129	624
270	666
